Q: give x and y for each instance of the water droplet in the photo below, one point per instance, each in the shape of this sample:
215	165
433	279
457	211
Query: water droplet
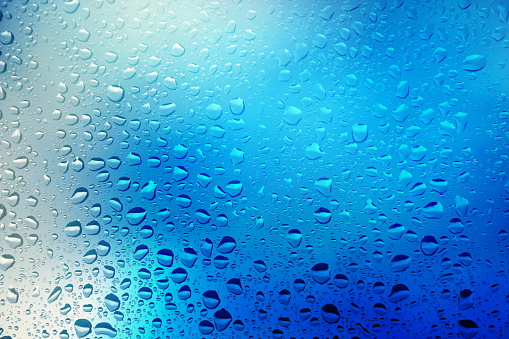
83	327
115	93
177	50
474	63
79	195
6	37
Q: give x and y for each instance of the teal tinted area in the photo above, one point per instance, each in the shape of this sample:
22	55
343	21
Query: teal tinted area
254	169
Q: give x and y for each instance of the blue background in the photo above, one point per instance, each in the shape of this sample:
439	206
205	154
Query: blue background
254	169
